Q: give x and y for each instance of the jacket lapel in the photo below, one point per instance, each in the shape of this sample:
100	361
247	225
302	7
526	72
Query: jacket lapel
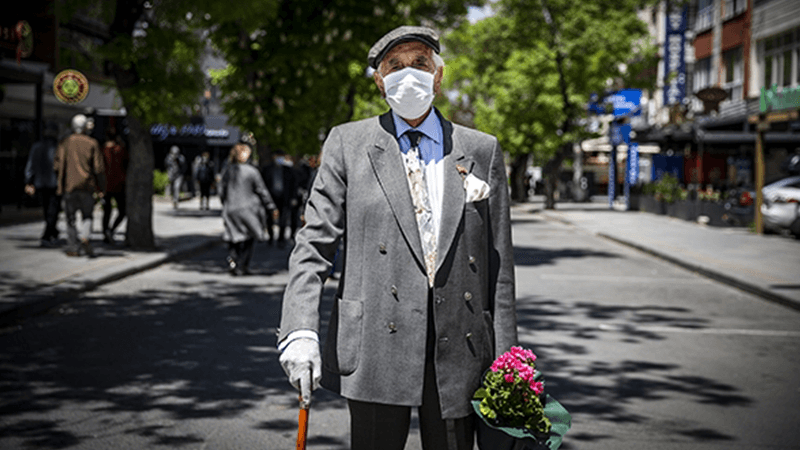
387	162
453	196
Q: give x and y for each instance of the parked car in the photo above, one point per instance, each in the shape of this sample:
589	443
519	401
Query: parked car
781	207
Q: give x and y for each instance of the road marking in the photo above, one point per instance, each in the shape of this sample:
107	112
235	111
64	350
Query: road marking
711	331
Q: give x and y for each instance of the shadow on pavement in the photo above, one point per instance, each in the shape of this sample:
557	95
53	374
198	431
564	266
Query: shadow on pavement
590	387
202	349
536	256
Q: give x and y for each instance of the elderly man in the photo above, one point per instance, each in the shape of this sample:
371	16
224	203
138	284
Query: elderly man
426	298
81	172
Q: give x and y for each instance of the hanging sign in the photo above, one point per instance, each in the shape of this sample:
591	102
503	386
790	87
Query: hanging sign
675	56
70	86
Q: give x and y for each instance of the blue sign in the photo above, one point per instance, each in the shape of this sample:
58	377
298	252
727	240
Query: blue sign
663	164
675	56
633	163
626	102
620	134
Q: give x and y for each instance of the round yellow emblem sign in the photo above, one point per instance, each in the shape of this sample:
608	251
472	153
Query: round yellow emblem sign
70	86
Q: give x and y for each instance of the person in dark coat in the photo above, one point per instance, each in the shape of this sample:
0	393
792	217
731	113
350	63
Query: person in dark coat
116	159
41	179
279	176
204	174
246	205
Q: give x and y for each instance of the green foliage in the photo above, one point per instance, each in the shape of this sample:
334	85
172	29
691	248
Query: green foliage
504	69
160	182
668	189
300	68
511	404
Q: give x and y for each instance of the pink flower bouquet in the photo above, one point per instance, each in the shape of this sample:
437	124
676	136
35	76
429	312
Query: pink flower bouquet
512	401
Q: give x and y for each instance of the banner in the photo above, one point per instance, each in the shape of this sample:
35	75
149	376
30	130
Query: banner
675	56
633	163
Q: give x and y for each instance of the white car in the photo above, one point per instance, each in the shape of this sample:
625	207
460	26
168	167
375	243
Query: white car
781	207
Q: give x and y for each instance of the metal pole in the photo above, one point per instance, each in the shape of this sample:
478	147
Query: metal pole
761	127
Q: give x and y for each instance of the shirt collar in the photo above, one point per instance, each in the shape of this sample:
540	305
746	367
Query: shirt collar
430	127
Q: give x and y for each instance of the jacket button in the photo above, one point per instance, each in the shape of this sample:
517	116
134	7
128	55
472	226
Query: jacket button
468	296
469	336
471	259
394	290
443	340
392	327
382	248
439	300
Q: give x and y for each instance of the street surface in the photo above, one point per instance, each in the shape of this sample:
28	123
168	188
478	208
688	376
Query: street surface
645	355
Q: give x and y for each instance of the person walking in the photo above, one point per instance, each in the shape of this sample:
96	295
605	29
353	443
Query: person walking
40	179
280	179
176	165
81	173
426	299
204	174
116	161
246	205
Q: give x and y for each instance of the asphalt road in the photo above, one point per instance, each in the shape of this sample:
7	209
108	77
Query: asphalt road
645	356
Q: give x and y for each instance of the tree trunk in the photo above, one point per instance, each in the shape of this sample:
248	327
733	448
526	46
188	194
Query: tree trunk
518	168
139	186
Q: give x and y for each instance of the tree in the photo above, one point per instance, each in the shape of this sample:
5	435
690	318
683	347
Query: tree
527	73
297	72
152	54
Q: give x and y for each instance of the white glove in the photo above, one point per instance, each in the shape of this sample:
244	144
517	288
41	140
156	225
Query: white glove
303	365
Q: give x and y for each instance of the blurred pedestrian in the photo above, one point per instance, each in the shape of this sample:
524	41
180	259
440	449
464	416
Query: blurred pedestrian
176	166
280	179
246	205
116	160
426	298
81	173
40	179
204	174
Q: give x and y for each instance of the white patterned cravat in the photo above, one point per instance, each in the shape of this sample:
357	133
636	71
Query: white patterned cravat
422	203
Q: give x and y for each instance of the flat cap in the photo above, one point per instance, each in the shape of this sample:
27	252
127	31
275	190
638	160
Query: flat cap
399	35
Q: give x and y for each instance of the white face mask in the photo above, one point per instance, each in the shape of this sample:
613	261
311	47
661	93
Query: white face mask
409	92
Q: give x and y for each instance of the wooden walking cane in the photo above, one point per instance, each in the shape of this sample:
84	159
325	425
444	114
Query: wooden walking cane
302	429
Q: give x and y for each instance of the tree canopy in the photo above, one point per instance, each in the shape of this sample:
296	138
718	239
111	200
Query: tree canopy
301	69
526	73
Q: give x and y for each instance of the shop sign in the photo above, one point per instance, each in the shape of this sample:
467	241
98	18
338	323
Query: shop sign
773	100
19	37
164	130
633	163
70	86
675	57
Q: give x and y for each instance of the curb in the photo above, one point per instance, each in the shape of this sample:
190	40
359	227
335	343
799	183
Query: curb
712	274
71	289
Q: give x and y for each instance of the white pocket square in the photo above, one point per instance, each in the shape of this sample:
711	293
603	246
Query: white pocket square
476	188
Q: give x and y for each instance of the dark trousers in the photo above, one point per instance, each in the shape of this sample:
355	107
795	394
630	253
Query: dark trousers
51	206
385	427
107	209
241	253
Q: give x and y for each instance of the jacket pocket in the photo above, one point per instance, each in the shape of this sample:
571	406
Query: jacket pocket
345	327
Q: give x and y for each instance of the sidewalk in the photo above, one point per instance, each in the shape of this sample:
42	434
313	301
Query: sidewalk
33	279
767	265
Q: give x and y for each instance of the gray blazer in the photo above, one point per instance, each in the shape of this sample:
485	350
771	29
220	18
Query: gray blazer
376	344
